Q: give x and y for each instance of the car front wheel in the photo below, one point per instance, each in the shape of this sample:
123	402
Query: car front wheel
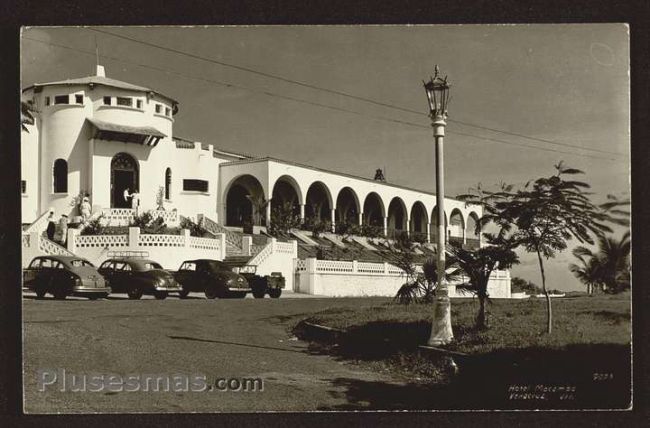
275	293
211	292
258	294
160	295
40	293
59	295
183	293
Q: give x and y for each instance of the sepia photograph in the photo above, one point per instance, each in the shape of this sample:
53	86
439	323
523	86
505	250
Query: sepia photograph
325	218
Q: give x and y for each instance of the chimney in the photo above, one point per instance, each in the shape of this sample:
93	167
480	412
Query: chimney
100	71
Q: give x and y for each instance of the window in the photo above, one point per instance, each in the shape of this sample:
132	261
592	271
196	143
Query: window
152	265
106	265
47	101
81	263
139	104
158	108
35	264
60	175
107	101
79	99
167	111
23	186
195	185
168	183
188	266
125	101
62	99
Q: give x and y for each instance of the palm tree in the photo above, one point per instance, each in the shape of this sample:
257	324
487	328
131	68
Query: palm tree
478	265
588	270
26	114
609	266
259	204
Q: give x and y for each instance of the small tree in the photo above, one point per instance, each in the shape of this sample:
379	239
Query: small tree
160	198
259	204
430	274
283	219
478	265
345	230
401	253
544	215
195	229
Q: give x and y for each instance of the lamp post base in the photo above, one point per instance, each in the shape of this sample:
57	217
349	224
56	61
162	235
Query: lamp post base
441	332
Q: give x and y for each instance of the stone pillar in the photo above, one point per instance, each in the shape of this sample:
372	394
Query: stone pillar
333	219
311	275
295	248
246	244
71	241
428	232
385	226
302	213
186	234
360	219
268	214
134	238
222	245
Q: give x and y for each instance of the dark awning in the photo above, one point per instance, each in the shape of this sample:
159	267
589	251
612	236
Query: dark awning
145	135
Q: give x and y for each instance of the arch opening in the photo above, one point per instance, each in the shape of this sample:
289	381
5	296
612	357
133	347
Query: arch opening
456	227
347	206
419	220
244	200
317	206
283	193
373	210
397	220
434	225
60	176
472	235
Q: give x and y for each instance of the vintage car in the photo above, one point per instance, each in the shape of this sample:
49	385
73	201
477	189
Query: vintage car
212	277
137	276
262	285
63	276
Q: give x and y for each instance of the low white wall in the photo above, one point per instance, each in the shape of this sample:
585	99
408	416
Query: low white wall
355	279
277	257
168	250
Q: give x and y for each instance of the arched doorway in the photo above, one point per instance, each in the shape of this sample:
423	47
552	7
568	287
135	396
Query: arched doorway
125	175
239	207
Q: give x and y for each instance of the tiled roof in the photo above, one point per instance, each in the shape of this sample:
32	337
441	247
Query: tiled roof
126	129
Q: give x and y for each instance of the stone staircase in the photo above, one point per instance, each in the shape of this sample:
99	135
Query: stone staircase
236	260
233	239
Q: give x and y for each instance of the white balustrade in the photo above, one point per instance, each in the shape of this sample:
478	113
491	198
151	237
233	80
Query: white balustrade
161	240
92	241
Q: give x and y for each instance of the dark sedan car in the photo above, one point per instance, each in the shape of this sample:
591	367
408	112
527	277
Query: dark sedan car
63	276
212	277
136	277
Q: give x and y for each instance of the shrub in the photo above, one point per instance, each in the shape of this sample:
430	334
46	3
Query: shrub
194	228
94	226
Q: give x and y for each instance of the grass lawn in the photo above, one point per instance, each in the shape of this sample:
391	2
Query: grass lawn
591	336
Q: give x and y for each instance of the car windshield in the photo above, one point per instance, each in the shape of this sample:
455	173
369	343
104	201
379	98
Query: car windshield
218	266
80	263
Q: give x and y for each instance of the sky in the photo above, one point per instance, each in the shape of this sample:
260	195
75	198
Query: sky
567	84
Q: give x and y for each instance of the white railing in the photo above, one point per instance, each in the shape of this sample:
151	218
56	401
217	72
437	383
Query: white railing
161	241
262	255
25	240
255	249
49	247
284	247
331	266
118	216
169	217
39	225
204	243
365	267
92	241
301	265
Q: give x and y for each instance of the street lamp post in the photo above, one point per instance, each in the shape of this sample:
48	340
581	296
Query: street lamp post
437	90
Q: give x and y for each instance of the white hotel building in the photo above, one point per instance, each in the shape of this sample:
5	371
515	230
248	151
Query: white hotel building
100	136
